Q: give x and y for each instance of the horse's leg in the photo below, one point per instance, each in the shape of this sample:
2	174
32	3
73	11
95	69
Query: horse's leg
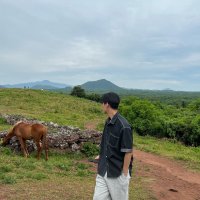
39	148
22	146
25	147
45	145
46	151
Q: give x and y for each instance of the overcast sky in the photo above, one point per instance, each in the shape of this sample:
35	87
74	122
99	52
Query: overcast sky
143	44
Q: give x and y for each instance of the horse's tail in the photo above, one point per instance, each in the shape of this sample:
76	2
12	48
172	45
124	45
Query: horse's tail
45	144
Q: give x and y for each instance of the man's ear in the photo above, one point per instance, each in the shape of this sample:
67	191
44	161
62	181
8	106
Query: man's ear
107	104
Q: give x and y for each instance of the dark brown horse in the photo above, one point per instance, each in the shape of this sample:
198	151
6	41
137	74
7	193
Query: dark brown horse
24	131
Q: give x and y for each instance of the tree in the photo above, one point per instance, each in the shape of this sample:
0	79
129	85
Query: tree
195	105
144	117
94	97
78	91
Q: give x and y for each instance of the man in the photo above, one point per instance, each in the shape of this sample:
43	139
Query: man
115	159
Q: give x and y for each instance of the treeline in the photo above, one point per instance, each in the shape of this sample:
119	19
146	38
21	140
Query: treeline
80	92
163	120
176	117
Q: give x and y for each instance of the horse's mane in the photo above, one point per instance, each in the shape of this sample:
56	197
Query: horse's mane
12	129
17	123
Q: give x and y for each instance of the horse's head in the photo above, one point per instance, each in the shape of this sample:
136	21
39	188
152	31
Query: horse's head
7	138
5	141
1	142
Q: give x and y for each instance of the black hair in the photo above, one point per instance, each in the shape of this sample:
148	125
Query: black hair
112	99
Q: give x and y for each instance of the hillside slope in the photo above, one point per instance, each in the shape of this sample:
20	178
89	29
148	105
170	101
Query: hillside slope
49	106
100	85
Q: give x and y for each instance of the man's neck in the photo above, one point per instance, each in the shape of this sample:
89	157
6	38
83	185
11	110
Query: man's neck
111	113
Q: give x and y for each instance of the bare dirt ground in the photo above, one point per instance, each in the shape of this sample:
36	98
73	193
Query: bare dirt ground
168	179
90	125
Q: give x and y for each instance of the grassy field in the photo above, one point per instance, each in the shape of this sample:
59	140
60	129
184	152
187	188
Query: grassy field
65	175
48	106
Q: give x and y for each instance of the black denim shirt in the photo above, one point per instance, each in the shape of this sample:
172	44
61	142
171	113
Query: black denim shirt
117	140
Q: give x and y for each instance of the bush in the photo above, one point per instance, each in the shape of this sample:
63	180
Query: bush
93	97
146	118
195	134
78	91
90	149
2	121
195	105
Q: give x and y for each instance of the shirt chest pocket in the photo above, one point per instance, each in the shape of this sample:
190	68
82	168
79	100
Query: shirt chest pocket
113	140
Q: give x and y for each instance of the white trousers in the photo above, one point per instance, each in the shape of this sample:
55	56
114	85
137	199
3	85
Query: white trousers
111	188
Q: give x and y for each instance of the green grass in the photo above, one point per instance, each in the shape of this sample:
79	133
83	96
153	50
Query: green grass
172	149
15	167
49	106
3	124
65	175
63	172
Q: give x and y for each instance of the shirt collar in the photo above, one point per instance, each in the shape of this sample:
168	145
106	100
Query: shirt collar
113	120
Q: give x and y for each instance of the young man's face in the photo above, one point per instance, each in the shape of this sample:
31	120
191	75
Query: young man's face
105	107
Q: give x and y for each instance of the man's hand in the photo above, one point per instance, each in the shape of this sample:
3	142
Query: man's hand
97	157
96	160
127	160
125	173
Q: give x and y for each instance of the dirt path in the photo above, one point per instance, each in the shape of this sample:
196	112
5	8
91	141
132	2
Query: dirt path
90	125
167	178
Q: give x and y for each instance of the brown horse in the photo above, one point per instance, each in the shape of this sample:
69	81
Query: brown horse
24	131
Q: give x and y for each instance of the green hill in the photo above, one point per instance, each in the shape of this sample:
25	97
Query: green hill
50	106
166	96
101	86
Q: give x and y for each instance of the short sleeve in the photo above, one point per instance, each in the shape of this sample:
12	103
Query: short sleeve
126	140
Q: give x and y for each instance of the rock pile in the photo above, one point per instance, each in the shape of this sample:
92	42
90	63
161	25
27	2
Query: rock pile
61	137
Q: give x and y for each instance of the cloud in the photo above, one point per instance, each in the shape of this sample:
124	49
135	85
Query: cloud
143	44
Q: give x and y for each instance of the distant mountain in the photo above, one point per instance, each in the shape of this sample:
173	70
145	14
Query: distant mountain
102	85
44	87
37	84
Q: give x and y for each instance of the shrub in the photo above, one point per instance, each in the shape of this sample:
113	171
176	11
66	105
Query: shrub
144	117
195	133
90	149
2	121
78	91
93	97
195	105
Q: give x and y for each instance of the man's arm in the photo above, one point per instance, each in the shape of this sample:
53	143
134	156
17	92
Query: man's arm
127	160
127	148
